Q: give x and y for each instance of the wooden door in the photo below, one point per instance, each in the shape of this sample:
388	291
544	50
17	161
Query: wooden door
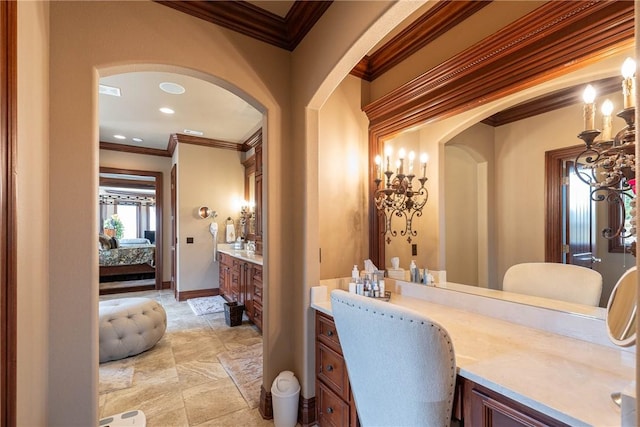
580	218
174	240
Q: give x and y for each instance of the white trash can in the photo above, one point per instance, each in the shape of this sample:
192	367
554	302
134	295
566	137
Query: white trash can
285	393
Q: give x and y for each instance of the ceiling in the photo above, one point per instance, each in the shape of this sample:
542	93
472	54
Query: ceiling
221	116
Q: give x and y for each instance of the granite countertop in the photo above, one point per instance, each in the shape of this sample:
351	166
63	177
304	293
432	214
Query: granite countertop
241	254
564	377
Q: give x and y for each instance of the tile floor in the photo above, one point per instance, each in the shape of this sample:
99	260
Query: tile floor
180	381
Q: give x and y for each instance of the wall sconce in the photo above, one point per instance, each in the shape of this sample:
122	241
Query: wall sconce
399	198
205	212
609	164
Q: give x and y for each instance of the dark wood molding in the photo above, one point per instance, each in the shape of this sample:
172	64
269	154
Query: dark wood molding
137	288
8	213
253	141
159	213
253	21
435	22
166	285
205	142
129	183
551	101
554	39
307	411
134	149
266	404
172	144
198	293
553	200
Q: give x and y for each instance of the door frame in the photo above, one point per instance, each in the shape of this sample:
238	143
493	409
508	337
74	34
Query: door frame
8	213
553	200
159	225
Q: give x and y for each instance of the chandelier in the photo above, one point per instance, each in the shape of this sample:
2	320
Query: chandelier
608	163
401	198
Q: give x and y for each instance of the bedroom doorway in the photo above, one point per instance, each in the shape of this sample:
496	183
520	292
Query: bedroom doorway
130	230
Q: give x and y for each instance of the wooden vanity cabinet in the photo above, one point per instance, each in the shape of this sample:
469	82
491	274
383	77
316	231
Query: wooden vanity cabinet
473	405
334	402
241	281
486	408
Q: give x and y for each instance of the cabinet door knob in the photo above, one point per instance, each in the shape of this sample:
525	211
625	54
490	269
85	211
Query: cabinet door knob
330	333
329	368
329	410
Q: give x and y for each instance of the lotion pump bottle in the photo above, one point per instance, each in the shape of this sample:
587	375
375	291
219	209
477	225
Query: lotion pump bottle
413	269
355	274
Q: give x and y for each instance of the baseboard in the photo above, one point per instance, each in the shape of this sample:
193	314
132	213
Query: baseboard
166	285
307	411
266	404
185	295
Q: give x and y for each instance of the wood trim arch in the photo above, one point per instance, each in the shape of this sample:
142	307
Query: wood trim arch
554	39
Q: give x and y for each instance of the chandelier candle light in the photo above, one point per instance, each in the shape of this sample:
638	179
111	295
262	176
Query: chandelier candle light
399	197
608	164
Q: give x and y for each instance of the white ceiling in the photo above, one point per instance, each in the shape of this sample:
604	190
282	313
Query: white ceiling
204	107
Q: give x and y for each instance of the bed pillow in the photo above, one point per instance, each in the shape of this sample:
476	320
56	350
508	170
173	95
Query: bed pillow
104	241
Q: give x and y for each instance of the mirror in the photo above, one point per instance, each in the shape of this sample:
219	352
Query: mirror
206	212
621	310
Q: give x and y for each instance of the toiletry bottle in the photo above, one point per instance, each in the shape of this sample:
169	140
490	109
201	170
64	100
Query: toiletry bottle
376	291
413	270
355	274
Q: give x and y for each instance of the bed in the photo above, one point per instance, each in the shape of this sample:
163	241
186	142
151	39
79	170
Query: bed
131	256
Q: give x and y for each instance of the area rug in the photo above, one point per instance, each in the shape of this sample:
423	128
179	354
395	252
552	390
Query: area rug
206	305
244	366
115	376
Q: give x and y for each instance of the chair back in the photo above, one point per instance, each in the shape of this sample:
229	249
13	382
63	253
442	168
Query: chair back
564	282
401	364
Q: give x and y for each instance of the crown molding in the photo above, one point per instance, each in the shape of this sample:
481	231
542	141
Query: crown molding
435	22
551	101
133	149
253	21
180	138
557	37
253	141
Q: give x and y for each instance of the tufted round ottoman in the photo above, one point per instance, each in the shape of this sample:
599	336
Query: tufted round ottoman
129	326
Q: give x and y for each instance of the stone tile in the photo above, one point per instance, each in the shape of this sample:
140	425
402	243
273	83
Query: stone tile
172	418
196	372
152	399
212	400
241	418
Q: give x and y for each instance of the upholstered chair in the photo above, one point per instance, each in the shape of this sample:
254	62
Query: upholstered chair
564	282
401	364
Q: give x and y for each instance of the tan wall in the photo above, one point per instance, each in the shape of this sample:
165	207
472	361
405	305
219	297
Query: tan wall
117	159
342	176
33	219
210	177
90	38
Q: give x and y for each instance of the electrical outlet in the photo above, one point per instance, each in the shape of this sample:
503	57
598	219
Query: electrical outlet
414	249
189	239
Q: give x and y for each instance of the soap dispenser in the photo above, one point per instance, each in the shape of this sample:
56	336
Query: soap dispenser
355	273
413	270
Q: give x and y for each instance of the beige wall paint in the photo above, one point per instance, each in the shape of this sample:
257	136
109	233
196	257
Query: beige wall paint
33	220
109	37
342	177
143	162
211	177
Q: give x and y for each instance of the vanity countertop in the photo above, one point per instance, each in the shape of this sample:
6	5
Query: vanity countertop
566	378
241	254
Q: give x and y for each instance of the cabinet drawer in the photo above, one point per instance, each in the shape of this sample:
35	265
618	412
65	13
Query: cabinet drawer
332	370
257	314
327	333
332	411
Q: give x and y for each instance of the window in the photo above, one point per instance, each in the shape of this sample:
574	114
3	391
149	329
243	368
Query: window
152	218
129	216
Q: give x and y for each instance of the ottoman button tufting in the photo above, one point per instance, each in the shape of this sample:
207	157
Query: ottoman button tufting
129	326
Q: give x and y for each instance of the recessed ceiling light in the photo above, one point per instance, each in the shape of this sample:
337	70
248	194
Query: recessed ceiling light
136	139
193	132
172	88
119	137
167	110
109	90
